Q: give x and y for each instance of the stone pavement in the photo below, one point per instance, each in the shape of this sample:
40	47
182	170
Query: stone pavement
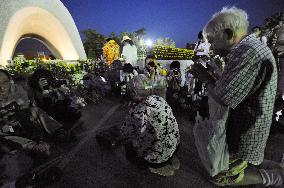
88	165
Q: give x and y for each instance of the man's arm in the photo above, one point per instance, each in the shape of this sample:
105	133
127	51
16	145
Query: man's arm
239	77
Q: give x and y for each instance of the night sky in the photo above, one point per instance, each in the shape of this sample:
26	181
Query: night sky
180	20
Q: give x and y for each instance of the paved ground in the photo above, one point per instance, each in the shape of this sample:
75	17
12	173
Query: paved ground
91	166
86	164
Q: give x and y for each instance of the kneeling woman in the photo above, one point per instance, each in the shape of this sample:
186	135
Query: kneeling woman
150	131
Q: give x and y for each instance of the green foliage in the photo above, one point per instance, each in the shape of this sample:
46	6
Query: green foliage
91	53
73	71
93	43
165	41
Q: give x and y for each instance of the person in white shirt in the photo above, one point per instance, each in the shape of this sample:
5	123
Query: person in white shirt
202	47
259	34
129	51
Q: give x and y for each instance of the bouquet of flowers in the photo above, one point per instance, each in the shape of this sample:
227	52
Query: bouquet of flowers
111	51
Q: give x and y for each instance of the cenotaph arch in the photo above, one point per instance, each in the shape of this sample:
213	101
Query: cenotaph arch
46	20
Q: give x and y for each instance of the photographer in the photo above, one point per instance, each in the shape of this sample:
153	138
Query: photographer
174	81
157	75
55	98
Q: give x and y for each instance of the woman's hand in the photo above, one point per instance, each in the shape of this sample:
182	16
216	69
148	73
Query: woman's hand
42	82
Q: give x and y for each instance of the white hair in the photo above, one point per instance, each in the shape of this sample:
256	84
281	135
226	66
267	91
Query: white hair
228	18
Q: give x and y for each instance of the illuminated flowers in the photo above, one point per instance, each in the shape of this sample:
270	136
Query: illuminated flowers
111	51
171	53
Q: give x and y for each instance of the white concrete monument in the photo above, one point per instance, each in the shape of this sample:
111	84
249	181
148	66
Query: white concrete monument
46	20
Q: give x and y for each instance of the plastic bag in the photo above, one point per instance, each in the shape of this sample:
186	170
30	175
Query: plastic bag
210	139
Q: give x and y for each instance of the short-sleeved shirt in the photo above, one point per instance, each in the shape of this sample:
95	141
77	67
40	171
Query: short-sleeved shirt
152	129
130	54
202	45
248	86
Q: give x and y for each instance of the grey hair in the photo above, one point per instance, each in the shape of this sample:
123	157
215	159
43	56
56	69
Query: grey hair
137	86
228	18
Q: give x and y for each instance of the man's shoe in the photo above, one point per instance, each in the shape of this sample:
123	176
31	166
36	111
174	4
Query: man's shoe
236	166
227	180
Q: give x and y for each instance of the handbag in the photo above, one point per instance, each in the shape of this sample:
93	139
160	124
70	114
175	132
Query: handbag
210	139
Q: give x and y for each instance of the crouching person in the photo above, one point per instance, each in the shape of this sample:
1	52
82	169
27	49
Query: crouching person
21	125
55	98
150	131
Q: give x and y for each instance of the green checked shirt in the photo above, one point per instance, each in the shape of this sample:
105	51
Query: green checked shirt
248	86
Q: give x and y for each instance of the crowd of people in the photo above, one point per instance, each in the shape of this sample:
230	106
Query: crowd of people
230	89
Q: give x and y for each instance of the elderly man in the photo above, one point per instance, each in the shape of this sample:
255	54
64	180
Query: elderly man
248	87
150	131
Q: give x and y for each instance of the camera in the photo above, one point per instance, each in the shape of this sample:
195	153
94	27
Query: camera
59	83
176	72
152	64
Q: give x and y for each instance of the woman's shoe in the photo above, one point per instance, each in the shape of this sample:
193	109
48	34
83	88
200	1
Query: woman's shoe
163	171
175	163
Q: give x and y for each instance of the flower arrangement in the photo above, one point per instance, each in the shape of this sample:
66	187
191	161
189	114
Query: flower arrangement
171	53
21	69
111	51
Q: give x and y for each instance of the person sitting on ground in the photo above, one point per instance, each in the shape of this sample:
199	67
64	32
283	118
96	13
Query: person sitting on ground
248	87
150	130
55	98
20	124
99	84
